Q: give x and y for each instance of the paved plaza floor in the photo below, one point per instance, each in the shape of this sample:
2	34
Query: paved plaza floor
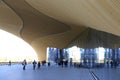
107	73
15	72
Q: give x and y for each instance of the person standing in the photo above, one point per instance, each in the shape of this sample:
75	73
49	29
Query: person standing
9	63
111	64
34	64
24	63
48	64
39	64
107	64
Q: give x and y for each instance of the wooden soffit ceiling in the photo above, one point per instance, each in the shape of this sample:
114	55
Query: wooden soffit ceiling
102	15
9	20
49	21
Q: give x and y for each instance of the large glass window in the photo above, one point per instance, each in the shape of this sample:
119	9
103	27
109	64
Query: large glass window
101	53
74	53
53	54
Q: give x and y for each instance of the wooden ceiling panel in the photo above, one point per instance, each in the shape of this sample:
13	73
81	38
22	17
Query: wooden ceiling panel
9	20
35	23
56	23
102	15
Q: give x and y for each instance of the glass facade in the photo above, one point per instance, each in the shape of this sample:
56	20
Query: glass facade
87	57
53	54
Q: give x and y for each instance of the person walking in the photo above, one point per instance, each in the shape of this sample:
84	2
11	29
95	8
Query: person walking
24	63
34	64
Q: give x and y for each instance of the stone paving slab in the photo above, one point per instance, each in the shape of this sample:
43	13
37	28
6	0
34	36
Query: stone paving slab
107	73
15	72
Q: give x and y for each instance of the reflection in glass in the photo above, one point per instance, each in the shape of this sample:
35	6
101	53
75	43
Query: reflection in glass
86	57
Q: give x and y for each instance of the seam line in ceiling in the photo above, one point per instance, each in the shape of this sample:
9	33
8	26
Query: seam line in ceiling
17	15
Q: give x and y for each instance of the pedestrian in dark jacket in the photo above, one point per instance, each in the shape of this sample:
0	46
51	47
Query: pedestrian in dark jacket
34	64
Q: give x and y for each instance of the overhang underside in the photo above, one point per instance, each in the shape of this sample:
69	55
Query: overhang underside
62	23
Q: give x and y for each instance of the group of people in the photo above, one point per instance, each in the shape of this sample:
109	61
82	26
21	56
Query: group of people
63	62
24	63
112	63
